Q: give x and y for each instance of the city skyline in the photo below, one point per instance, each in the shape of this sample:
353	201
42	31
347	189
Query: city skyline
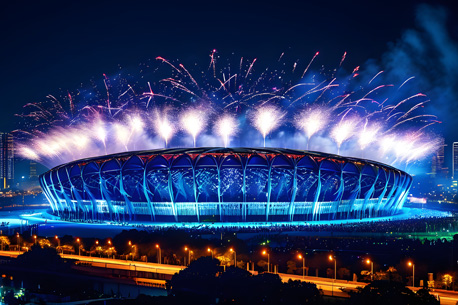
6	160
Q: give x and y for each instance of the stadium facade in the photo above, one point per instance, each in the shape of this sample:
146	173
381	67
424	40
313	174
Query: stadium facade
224	185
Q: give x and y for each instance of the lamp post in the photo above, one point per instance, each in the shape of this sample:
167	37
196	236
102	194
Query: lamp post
34	239
210	250
368	261
159	258
333	258
413	272
96	245
268	259
58	243
109	247
131	250
300	256
235	256
189	254
18	239
79	246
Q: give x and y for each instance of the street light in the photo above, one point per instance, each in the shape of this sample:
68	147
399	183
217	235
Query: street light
235	256
96	245
131	250
18	239
268	259
159	258
303	264
58	243
109	247
79	246
95	248
189	254
368	261
333	258
34	239
413	272
210	250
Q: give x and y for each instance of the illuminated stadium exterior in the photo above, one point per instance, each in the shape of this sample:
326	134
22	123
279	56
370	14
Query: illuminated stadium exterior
224	185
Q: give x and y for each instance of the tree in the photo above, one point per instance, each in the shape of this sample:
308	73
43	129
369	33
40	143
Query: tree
40	258
204	283
393	293
343	273
298	292
234	284
330	272
425	297
266	288
291	267
198	282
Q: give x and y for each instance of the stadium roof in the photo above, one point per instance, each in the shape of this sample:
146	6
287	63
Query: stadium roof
226	151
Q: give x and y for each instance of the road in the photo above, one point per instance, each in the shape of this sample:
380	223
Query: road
114	263
328	286
127	264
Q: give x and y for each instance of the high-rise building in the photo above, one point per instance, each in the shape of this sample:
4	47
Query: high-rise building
455	161
33	170
6	160
438	168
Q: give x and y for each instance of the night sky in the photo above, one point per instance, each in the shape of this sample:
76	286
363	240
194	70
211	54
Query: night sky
51	46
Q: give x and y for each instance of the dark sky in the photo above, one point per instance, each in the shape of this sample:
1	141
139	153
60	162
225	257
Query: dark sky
49	45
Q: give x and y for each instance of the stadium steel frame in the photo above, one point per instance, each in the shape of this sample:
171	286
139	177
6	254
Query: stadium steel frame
224	184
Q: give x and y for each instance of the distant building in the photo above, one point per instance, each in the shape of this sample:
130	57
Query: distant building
33	170
455	161
6	160
438	168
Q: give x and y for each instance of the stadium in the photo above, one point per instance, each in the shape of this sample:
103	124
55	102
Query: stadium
224	185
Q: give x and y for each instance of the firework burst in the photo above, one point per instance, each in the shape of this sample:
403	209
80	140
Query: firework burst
119	113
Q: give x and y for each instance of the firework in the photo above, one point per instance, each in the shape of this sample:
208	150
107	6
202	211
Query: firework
122	134
312	121
343	131
226	127
267	119
368	134
121	114
163	126
193	122
100	133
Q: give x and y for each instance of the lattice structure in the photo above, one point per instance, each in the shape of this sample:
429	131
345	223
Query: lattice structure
224	185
